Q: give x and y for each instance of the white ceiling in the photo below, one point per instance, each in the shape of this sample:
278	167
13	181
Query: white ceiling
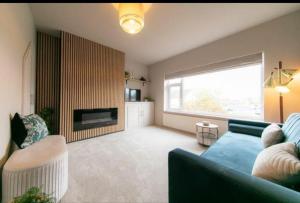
170	29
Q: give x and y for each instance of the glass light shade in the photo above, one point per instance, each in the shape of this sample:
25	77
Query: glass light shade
282	89
131	16
270	82
297	75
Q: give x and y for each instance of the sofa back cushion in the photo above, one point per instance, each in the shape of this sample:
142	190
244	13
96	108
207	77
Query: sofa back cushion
235	150
272	135
291	129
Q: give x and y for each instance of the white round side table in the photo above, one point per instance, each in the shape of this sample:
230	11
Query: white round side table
207	134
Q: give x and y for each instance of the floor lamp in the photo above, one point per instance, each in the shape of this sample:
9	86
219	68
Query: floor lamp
280	83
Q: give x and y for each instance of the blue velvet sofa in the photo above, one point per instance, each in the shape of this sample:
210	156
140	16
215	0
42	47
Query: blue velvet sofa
223	172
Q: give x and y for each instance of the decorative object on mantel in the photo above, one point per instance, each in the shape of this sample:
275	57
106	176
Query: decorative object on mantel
148	99
280	83
34	194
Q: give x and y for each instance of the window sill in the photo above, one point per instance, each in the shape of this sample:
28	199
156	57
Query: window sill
214	117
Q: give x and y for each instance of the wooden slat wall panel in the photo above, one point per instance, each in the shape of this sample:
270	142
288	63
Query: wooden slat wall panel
48	76
92	76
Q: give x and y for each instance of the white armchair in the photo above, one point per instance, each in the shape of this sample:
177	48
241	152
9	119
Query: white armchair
43	164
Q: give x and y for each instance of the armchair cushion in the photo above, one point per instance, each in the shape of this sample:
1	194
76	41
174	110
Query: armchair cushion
38	154
234	150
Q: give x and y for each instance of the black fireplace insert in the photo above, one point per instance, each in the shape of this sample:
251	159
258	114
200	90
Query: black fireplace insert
94	118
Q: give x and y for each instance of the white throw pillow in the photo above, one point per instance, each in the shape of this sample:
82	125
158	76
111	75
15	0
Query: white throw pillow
279	163
271	135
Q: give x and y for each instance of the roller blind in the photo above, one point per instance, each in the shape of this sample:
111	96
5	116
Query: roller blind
228	64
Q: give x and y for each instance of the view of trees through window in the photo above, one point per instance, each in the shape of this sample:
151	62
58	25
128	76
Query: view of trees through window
233	92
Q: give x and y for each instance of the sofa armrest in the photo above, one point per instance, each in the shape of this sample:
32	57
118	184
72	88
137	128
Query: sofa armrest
195	179
254	128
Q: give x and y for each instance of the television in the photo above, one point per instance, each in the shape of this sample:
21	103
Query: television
132	95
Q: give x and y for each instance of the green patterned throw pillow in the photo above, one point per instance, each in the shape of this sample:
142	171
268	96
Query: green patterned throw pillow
36	129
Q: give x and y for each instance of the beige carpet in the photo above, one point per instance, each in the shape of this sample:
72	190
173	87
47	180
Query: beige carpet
129	166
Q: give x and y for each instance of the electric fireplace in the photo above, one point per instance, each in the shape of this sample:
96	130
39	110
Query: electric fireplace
94	118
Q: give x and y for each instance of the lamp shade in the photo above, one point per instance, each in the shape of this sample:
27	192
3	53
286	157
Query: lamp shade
131	16
289	73
296	74
270	81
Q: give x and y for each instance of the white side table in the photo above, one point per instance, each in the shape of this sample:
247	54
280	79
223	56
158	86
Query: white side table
207	134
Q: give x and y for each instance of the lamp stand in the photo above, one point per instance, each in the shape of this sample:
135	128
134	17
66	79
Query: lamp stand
280	94
281	107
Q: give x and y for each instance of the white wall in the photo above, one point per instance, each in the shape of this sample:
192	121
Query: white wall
16	31
278	39
138	70
187	123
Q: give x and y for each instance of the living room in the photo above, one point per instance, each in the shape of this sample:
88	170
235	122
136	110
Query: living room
150	102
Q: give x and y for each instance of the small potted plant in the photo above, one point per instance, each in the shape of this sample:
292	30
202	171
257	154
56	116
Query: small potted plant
46	114
34	195
148	99
127	75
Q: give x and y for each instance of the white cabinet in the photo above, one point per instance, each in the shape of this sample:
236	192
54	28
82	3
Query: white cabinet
132	113
138	114
147	112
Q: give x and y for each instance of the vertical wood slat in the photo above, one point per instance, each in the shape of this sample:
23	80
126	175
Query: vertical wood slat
48	76
91	77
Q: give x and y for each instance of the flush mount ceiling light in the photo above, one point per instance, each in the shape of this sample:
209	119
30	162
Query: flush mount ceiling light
131	16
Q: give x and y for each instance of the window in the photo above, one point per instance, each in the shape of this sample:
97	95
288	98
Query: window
235	92
174	93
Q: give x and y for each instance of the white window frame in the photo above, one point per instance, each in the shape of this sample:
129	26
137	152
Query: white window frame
167	89
180	111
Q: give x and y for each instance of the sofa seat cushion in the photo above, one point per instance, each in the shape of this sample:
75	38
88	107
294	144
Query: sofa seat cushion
234	150
38	154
